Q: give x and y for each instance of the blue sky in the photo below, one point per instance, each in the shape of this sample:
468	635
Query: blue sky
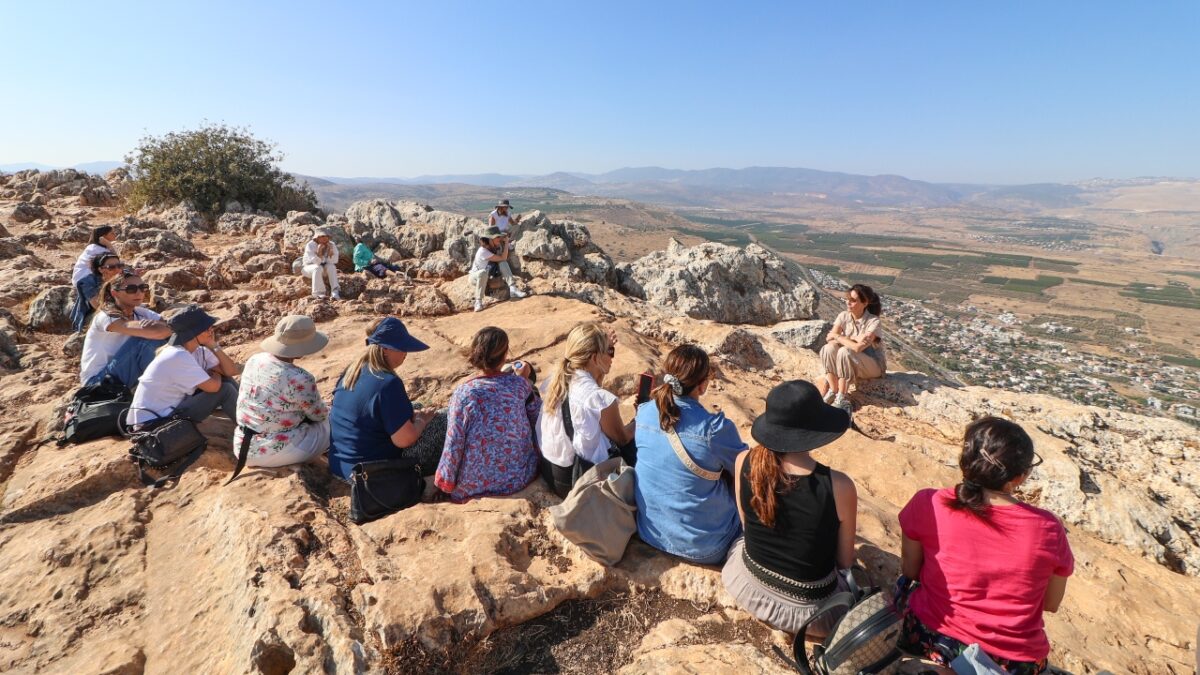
975	92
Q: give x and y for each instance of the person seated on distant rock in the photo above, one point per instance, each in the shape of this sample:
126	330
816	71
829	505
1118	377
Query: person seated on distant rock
853	349
102	241
371	417
595	417
799	515
500	219
190	376
683	505
279	401
320	259
87	291
366	261
493	250
490	446
987	563
123	335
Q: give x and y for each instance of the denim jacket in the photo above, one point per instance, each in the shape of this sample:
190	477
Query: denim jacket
677	511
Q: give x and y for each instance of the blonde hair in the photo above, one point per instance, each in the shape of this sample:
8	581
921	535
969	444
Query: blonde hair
583	342
372	357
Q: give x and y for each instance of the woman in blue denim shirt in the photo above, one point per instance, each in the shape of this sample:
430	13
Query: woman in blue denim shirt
688	511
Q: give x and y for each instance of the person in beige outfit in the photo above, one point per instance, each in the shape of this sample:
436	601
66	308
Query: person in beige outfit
853	349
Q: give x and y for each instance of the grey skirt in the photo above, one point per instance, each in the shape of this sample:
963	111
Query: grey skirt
768	605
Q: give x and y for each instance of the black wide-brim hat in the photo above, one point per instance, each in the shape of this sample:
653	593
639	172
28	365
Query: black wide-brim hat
797	420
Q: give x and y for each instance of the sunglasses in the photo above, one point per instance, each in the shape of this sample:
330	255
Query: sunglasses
116	266
135	288
1037	460
612	351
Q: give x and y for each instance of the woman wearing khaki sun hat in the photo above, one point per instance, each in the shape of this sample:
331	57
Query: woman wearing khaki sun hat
279	400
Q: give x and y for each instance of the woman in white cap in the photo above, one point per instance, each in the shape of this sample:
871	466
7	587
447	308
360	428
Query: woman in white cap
279	401
321	255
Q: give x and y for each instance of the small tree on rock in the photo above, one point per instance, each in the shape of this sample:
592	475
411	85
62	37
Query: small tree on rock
210	166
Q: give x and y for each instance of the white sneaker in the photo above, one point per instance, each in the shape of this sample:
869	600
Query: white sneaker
337	295
828	397
844	403
478	305
515	292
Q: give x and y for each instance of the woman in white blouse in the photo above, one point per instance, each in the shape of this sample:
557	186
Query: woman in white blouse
595	419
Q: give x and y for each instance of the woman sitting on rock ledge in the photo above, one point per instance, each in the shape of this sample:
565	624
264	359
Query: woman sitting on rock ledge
594	425
799	515
371	417
988	564
101	243
489	446
123	335
87	297
854	347
684	506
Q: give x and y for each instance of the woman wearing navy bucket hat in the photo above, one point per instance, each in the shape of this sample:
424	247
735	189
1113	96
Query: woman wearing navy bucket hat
371	417
799	516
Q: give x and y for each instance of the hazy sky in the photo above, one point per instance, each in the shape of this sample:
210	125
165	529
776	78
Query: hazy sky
943	91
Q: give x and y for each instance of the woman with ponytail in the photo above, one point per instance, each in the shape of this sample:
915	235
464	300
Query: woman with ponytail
684	506
799	515
595	419
988	564
84	277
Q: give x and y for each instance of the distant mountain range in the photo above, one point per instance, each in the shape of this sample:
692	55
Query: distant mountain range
90	167
709	187
715	187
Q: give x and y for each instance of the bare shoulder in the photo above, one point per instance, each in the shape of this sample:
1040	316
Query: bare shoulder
842	483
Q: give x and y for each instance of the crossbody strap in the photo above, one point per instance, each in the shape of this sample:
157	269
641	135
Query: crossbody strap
568	426
681	453
248	435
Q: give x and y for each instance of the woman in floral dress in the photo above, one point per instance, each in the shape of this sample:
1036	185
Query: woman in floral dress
279	400
490	446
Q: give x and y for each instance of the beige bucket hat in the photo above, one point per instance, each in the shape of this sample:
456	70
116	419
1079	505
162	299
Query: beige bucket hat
295	336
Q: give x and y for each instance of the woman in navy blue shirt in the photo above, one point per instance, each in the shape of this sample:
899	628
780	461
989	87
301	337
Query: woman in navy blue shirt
371	417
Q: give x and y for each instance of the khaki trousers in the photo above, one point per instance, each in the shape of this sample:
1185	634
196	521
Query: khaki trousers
848	364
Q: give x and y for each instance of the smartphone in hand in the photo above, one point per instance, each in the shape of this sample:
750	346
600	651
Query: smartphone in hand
645	382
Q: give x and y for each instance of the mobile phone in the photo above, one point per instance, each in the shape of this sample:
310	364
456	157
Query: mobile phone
645	381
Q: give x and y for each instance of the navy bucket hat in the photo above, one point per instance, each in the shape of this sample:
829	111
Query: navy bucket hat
189	323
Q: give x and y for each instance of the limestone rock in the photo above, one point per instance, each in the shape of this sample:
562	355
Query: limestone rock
179	278
50	311
27	213
158	245
543	245
244	223
183	219
802	334
723	283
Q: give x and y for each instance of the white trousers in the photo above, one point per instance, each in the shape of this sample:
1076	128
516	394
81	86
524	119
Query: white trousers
308	442
480	279
318	279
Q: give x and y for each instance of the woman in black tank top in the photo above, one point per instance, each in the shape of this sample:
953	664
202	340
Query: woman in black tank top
799	516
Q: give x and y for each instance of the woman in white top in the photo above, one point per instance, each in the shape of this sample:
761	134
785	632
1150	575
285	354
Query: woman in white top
320	258
501	219
853	349
123	335
595	416
190	377
102	241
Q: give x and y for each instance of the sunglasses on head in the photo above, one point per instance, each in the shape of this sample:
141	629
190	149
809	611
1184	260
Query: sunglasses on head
115	266
135	288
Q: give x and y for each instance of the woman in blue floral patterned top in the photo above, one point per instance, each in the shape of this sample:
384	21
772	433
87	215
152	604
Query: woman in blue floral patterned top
489	439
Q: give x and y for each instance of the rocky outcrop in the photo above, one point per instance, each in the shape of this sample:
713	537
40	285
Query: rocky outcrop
40	187
722	283
27	212
50	311
156	245
802	334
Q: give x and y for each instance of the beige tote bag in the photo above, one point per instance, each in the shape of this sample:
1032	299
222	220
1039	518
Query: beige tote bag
599	514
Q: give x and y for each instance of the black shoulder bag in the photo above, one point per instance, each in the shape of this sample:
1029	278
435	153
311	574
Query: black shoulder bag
95	412
381	488
169	444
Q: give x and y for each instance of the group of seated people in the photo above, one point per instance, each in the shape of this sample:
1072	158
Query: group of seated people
983	564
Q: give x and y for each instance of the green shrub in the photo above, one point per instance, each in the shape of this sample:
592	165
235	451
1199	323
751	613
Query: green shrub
210	166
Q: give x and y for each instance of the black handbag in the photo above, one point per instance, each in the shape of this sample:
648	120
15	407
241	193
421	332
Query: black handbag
167	443
384	487
95	412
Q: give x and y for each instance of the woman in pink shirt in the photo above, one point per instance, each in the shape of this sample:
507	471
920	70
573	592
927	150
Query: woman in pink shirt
988	564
